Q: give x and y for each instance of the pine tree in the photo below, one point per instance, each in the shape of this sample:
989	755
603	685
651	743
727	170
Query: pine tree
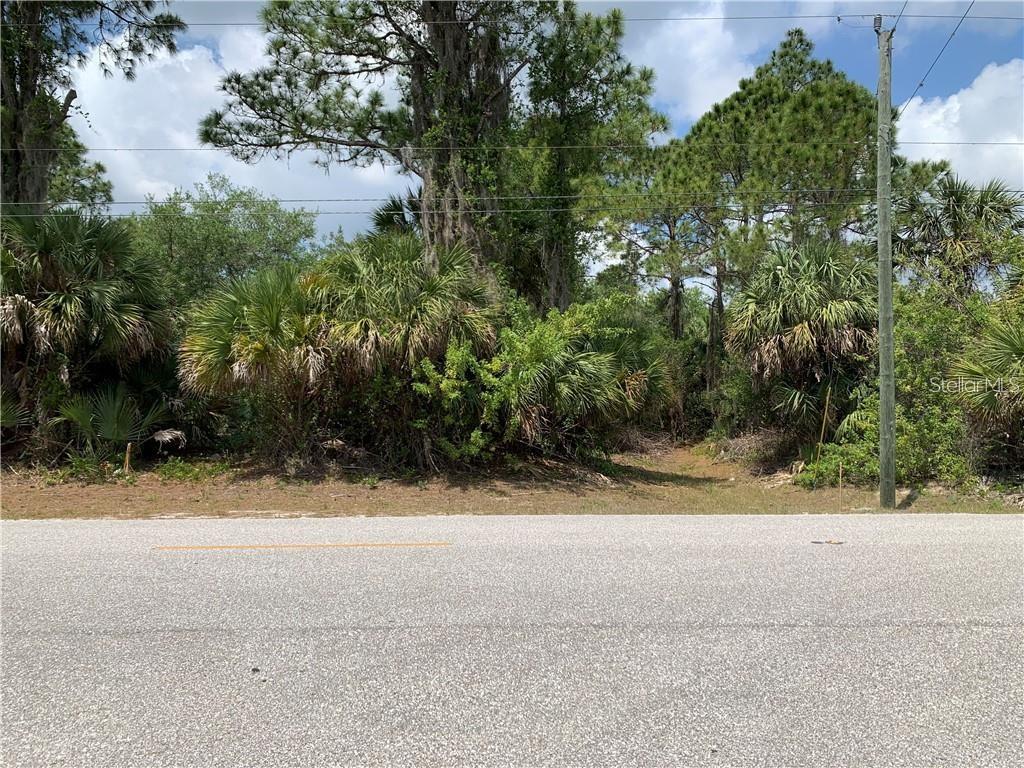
41	44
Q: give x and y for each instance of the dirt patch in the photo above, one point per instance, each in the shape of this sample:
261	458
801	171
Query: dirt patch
679	481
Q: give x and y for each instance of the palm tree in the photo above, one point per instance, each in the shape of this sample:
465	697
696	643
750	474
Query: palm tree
565	381
72	283
990	377
261	330
803	309
397	216
76	302
804	322
262	333
109	419
957	233
372	309
387	311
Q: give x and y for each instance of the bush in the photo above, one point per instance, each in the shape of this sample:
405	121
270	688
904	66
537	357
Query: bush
176	468
933	434
567	383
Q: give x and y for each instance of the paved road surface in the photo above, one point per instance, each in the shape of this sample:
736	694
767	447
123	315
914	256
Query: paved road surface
586	641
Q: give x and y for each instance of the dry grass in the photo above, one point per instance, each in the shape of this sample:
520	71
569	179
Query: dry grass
678	481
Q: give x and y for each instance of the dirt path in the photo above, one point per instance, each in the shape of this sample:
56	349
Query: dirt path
681	481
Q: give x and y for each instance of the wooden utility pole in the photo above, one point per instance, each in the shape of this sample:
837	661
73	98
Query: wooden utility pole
886	362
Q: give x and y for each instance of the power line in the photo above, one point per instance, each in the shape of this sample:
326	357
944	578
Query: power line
698	196
897	22
545	147
936	60
734	208
678	193
808	16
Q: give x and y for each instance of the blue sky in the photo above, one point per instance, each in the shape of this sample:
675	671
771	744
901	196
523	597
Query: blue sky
975	92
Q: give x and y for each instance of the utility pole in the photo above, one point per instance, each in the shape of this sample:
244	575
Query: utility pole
886	362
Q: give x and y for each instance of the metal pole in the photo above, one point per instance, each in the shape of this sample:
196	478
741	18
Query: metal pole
886	363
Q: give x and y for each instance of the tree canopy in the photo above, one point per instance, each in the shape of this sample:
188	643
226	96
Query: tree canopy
41	45
220	232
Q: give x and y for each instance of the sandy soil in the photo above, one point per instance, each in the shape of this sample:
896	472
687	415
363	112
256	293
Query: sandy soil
680	481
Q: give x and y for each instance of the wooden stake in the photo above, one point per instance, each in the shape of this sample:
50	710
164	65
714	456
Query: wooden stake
840	486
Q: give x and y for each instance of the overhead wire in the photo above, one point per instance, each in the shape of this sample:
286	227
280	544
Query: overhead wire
536	147
935	61
695	196
442	22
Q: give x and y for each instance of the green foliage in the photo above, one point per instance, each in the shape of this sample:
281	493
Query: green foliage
390	317
584	97
73	283
387	309
933	437
86	468
217	233
178	469
78	307
106	421
741	300
75	179
454	398
991	375
930	445
805	324
567	382
264	334
455	117
344	338
958	235
42	43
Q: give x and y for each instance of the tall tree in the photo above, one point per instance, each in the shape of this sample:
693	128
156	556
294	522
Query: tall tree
667	227
472	78
787	159
805	323
77	304
454	65
220	232
74	178
587	102
41	44
954	233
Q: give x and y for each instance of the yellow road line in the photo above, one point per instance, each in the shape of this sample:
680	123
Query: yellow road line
324	545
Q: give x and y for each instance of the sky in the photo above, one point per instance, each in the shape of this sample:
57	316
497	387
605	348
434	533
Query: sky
974	93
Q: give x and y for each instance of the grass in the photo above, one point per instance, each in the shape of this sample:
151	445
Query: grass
680	481
180	470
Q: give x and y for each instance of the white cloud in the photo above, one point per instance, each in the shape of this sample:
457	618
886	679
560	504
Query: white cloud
242	49
697	63
990	109
163	107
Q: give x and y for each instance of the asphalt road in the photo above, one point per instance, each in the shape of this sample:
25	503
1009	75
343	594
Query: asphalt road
584	641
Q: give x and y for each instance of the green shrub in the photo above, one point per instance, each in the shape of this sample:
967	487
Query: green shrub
933	434
178	469
104	423
569	382
452	405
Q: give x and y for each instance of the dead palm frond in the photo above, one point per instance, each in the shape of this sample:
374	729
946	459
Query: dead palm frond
386	310
806	308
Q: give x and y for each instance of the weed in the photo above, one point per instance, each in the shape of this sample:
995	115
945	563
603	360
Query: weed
178	469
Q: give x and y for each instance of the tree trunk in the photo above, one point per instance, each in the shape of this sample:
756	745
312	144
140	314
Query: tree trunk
716	328
675	297
462	74
32	117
